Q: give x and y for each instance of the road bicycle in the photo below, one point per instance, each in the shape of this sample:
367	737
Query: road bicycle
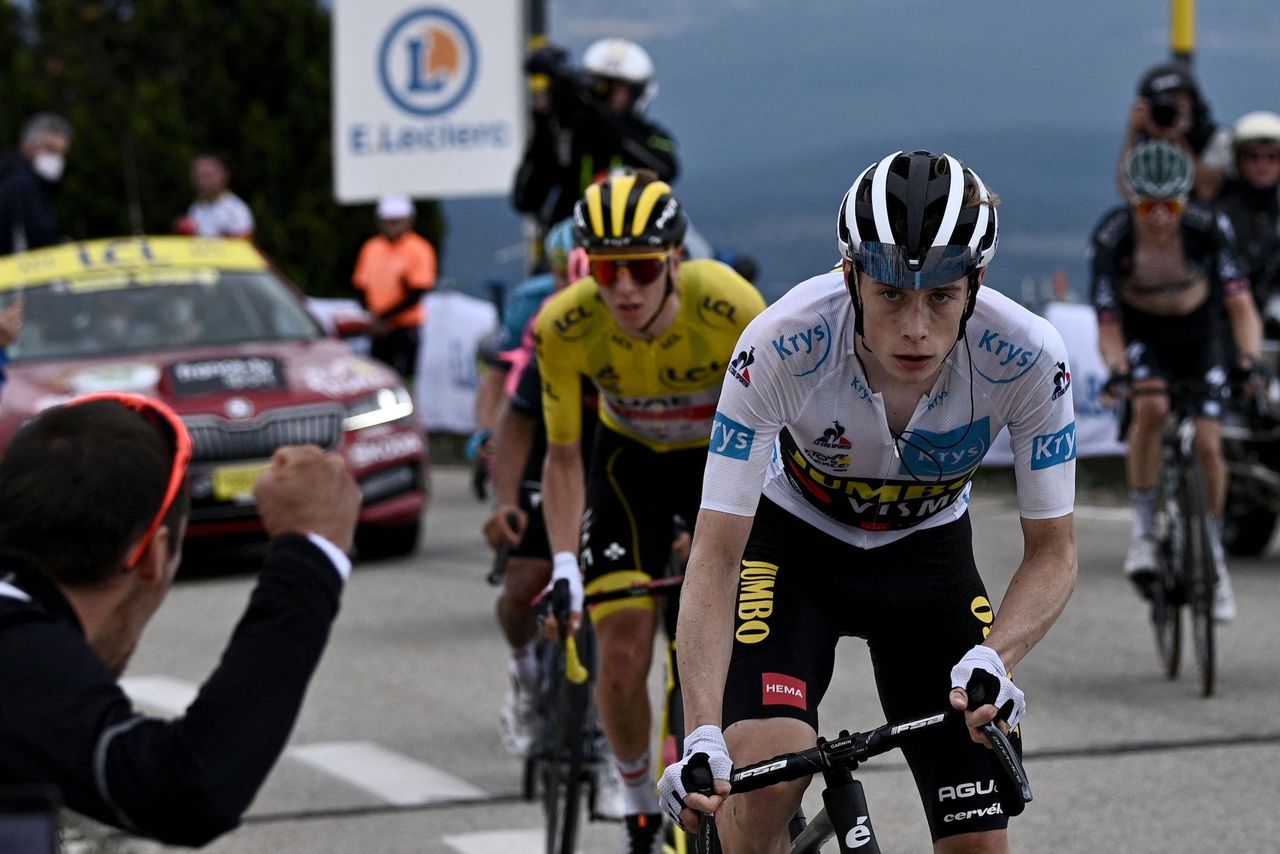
845	815
1185	572
569	754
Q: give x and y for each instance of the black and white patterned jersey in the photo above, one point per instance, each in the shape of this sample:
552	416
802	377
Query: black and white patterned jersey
797	417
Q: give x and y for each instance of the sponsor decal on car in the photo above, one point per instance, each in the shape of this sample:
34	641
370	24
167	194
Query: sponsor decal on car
234	373
342	377
385	449
113	378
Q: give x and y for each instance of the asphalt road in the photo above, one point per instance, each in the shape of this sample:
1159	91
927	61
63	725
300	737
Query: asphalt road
397	750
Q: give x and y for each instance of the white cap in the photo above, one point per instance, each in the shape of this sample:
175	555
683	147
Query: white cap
395	206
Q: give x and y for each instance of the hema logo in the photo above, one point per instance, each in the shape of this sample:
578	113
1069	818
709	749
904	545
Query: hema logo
428	61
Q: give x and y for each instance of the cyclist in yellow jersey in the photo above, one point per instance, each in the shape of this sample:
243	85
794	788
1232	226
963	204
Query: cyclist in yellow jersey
656	337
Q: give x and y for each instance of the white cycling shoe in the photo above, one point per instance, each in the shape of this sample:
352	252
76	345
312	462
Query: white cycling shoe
518	719
1140	564
611	798
1224	599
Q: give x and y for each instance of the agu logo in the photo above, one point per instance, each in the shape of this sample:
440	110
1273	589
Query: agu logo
428	61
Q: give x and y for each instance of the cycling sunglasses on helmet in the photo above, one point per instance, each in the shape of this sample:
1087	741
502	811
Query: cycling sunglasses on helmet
1146	207
167	422
644	269
887	263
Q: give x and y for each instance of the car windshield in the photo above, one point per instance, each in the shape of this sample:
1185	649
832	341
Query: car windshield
157	309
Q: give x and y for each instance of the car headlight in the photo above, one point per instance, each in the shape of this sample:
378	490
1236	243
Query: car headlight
381	407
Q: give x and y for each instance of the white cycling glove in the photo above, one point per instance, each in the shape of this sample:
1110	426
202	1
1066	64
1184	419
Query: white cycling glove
565	565
706	739
1011	702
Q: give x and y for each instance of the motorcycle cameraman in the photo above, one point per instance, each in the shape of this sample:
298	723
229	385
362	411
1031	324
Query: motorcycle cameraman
587	121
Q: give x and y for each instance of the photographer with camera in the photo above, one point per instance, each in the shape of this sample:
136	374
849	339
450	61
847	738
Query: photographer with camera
1171	107
586	122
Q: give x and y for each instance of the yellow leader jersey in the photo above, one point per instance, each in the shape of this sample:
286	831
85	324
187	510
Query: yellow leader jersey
663	392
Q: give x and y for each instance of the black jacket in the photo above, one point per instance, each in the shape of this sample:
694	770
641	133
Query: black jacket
575	143
26	208
64	720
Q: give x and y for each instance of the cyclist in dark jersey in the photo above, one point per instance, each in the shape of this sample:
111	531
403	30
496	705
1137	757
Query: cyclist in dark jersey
1163	274
1251	205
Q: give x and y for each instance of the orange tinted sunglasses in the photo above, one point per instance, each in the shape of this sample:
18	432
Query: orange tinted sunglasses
1146	207
175	432
643	268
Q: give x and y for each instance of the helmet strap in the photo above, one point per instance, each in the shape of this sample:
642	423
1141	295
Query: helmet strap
971	302
667	291
851	284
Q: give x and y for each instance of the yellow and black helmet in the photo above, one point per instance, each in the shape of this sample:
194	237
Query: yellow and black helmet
631	209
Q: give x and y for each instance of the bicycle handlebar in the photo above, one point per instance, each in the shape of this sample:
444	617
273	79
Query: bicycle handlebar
851	749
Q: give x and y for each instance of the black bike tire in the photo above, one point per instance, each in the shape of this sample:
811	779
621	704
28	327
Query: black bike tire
1201	576
1166	595
563	763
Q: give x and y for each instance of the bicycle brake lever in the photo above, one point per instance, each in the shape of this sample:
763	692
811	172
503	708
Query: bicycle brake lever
696	775
1014	799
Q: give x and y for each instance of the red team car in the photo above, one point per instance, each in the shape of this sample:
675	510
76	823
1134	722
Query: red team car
210	328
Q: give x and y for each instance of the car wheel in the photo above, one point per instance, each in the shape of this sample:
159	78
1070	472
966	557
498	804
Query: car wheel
374	543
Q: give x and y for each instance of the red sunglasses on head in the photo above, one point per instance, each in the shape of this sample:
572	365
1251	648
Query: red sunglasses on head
643	268
1173	206
175	432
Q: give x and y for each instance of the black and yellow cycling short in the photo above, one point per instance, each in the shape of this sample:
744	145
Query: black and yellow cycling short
634	494
919	604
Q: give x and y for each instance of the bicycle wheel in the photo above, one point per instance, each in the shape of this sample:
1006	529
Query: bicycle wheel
1166	595
563	762
1200	574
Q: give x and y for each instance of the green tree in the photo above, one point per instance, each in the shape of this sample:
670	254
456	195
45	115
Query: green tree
147	84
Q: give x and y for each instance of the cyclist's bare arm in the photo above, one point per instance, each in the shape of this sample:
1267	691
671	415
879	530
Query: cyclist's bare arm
513	441
1111	346
563	495
1246	325
1036	595
705	629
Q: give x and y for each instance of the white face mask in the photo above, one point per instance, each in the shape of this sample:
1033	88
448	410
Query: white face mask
49	166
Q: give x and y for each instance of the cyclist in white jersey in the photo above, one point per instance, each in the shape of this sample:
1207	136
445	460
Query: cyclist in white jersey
854	415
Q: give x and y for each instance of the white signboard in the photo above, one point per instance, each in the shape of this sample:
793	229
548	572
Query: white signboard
428	97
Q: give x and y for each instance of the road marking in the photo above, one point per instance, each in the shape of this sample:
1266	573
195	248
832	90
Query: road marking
392	776
162	695
498	842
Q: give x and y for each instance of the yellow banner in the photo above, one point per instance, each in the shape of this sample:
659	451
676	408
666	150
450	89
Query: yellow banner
100	258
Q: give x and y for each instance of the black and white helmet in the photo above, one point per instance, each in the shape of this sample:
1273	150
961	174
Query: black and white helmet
933	210
918	221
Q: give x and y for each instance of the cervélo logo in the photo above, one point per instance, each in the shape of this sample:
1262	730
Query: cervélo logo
779	689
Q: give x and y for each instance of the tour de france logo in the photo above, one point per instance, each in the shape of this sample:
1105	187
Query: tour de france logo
428	61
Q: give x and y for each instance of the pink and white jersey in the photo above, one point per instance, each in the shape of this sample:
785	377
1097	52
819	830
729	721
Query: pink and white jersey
798	418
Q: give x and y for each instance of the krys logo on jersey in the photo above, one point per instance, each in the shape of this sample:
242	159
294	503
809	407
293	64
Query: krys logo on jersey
428	64
933	455
807	349
1000	359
